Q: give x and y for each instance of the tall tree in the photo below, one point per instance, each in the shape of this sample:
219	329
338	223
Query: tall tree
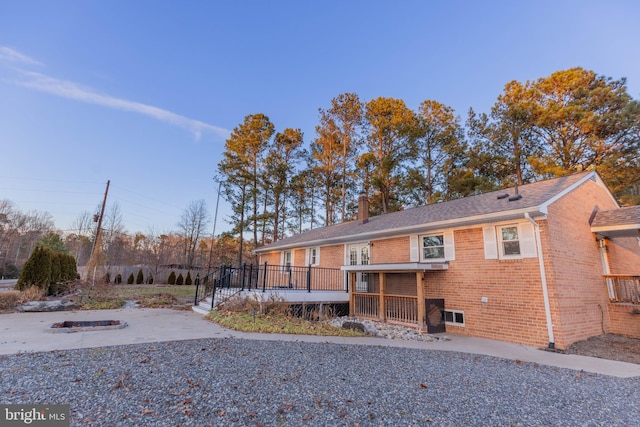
192	224
582	120
280	165
505	137
438	133
345	116
325	167
241	170
389	139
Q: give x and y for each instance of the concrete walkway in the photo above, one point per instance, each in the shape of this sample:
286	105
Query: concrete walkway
26	332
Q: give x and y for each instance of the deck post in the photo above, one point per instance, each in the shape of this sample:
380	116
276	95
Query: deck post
421	308
264	278
383	286
352	295
309	279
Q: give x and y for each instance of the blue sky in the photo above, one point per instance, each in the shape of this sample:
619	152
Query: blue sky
144	93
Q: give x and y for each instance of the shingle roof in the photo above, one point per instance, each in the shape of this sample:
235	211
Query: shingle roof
534	196
615	217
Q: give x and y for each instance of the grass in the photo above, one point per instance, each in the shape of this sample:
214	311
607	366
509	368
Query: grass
276	324
109	296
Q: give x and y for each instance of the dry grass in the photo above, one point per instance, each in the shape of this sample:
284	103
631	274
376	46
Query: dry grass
9	300
273	316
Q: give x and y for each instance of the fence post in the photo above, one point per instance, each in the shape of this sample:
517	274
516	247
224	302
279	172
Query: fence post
250	276
244	269
309	279
264	278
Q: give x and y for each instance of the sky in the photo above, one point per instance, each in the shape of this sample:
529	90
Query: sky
144	93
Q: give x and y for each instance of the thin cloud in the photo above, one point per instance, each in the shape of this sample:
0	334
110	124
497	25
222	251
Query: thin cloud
71	90
10	55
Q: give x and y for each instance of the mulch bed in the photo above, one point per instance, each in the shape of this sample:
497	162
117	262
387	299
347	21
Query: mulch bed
608	346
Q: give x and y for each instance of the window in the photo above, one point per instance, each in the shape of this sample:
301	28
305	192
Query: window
433	247
510	241
436	247
286	260
313	256
453	317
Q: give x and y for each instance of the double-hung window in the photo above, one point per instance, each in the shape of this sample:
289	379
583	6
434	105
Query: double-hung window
433	247
510	241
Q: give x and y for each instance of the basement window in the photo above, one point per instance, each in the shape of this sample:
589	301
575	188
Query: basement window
453	317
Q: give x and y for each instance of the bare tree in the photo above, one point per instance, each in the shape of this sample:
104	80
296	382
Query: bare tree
192	224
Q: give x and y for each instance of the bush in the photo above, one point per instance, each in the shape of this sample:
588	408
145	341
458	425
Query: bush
130	279
45	268
187	281
139	278
9	299
37	270
172	278
180	280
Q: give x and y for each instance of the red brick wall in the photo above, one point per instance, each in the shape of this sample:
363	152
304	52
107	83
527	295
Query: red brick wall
575	268
623	321
390	250
514	310
624	255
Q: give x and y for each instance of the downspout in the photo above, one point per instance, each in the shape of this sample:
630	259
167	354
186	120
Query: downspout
543	279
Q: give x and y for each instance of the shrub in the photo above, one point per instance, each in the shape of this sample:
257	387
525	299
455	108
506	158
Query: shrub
37	270
139	278
9	299
187	281
32	293
130	279
172	278
180	280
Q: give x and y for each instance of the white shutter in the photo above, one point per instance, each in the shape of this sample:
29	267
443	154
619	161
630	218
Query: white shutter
449	249
490	244
318	256
346	254
414	249
282	258
307	256
527	241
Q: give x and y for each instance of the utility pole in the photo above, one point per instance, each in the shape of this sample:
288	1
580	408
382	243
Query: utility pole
104	202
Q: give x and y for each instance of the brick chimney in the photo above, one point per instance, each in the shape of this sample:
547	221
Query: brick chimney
363	208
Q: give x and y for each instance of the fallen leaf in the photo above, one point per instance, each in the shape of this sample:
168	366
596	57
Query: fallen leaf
423	386
146	412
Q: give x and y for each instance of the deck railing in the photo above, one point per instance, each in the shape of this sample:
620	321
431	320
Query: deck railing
266	277
367	305
623	288
401	308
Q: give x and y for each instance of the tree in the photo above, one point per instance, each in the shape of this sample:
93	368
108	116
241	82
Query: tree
180	280
172	278
506	137
140	278
192	225
130	279
438	135
325	164
53	242
389	139
37	270
187	280
582	120
240	169
345	118
280	163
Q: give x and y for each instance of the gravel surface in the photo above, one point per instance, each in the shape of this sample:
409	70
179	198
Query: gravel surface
225	382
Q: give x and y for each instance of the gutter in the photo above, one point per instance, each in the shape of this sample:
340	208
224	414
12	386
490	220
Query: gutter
543	279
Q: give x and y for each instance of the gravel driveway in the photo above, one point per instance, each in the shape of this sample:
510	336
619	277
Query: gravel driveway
239	382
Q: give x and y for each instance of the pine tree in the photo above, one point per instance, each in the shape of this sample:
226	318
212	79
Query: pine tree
172	278
130	279
180	280
187	280
139	278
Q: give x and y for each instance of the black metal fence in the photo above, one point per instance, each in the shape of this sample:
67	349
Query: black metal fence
225	281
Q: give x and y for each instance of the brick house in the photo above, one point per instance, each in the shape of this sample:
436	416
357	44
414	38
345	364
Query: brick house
544	264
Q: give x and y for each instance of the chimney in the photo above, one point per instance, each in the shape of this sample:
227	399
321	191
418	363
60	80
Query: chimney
363	208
